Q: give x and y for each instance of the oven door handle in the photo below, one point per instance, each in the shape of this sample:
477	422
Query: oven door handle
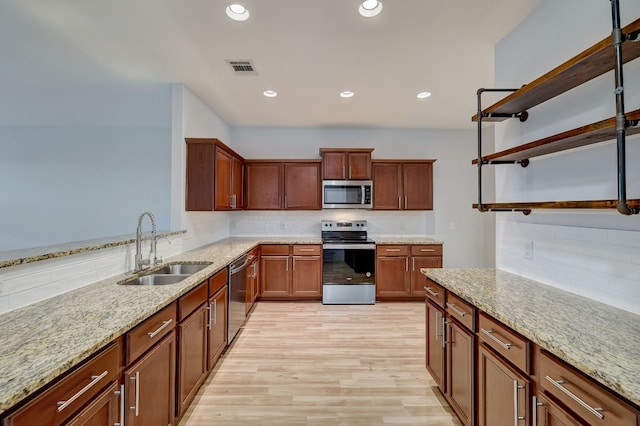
349	246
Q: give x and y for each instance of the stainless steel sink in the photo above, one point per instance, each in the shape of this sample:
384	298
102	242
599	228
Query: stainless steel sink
156	279
181	269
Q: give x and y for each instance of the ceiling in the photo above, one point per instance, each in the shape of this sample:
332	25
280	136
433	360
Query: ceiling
306	50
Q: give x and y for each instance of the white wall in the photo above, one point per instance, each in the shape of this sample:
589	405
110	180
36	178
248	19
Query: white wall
192	118
454	186
595	254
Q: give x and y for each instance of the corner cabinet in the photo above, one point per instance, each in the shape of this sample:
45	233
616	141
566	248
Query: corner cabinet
607	55
215	176
402	184
283	185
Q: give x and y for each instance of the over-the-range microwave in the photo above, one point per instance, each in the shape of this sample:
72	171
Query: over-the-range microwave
347	194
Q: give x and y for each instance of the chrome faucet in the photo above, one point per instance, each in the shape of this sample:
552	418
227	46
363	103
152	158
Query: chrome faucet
140	262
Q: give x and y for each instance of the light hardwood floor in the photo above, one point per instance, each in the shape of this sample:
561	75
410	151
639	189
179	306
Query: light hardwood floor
314	364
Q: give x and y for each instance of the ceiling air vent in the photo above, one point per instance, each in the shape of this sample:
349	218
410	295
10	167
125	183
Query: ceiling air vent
242	66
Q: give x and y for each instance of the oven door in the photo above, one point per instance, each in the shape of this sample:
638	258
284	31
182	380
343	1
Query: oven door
348	274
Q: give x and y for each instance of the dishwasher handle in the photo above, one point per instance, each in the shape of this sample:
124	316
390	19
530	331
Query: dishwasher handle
238	265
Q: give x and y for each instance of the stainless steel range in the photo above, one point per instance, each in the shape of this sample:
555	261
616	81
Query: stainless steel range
348	263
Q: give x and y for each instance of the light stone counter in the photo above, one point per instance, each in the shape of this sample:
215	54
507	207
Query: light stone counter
41	341
598	339
405	239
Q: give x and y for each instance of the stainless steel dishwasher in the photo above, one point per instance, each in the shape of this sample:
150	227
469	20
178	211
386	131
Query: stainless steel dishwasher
237	296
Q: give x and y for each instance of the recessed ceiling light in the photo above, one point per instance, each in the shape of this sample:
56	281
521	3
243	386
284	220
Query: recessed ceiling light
237	12
346	94
423	95
270	93
370	8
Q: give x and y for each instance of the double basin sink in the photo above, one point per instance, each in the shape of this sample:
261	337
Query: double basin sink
168	274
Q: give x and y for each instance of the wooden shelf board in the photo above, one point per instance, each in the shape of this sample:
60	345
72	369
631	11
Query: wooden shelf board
582	136
587	204
595	61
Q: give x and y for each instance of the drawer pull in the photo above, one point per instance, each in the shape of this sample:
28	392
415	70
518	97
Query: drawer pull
489	333
431	292
388	250
595	411
164	325
428	250
456	310
306	249
94	380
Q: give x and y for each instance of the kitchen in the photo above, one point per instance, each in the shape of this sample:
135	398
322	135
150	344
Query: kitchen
560	242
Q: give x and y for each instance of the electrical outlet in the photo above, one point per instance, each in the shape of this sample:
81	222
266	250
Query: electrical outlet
283	225
528	250
452	226
402	226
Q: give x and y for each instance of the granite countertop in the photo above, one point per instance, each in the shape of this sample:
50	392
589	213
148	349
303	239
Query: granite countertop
45	339
599	340
405	239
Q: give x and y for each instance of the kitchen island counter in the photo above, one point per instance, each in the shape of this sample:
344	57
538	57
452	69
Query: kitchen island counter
600	340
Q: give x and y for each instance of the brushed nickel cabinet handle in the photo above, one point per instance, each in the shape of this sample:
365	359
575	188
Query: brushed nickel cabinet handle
456	310
136	407
596	411
94	380
428	250
215	311
431	292
122	404
399	203
489	333
306	249
534	414
436	327
209	316
164	325
516	402
391	250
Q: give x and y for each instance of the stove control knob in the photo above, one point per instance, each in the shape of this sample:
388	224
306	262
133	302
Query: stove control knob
368	274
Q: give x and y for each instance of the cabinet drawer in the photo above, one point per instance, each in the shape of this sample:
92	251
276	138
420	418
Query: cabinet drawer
307	250
190	301
582	395
461	310
218	281
275	249
427	250
512	346
149	332
66	397
384	250
435	292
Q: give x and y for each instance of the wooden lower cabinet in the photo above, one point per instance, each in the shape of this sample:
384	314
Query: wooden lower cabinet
102	411
192	356
435	346
291	272
398	267
392	276
548	413
150	385
253	283
460	361
503	392
217	325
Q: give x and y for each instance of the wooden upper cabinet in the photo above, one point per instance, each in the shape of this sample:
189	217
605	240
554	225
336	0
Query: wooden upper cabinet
346	163
276	185
302	186
215	176
403	185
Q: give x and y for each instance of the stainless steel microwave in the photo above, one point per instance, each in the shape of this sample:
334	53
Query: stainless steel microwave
347	194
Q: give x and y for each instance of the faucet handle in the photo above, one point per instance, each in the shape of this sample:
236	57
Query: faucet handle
157	260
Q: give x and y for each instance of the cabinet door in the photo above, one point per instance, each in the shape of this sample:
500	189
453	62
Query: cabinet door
302	186
334	165
264	186
547	413
392	276
418	279
237	184
275	276
150	386
359	165
387	186
192	356
217	325
102	411
435	350
223	170
200	177
503	393
460	371
306	276
418	186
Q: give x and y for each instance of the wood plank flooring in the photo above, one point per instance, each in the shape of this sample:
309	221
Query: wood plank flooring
313	364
